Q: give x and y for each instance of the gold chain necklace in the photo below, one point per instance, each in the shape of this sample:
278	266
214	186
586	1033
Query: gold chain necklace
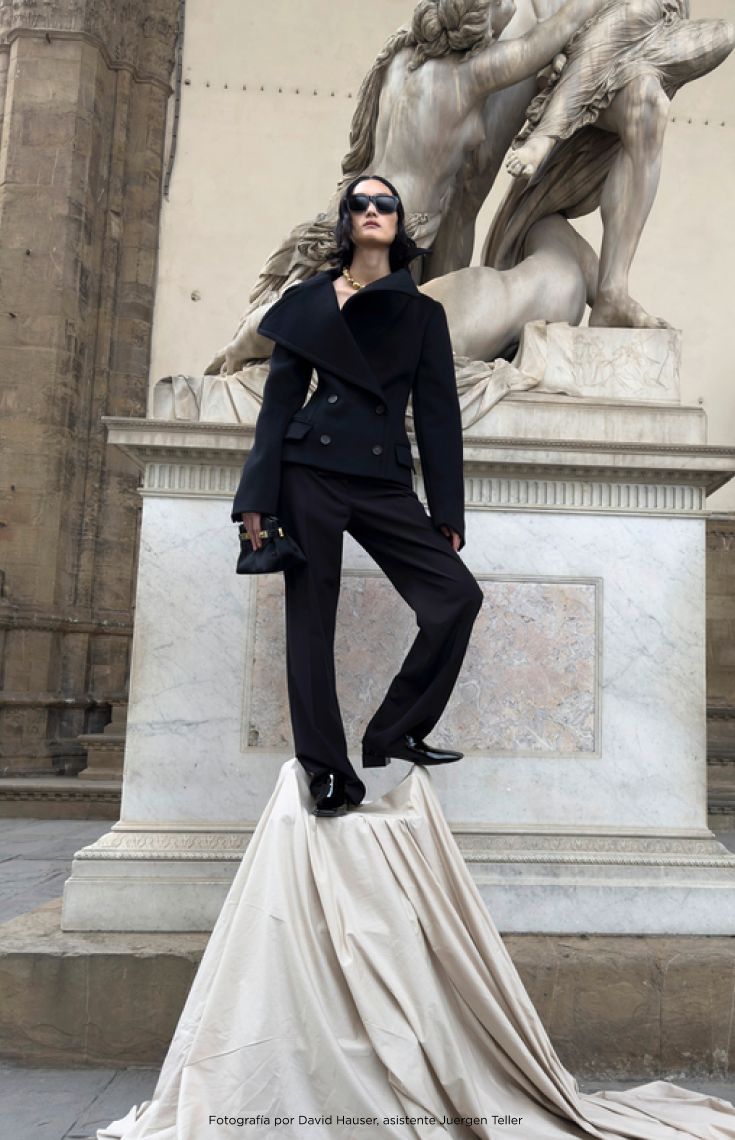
353	283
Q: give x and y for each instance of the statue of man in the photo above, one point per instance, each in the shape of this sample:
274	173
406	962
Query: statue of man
595	136
419	116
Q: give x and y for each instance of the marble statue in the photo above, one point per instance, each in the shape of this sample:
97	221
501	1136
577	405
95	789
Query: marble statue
436	114
419	113
594	136
481	304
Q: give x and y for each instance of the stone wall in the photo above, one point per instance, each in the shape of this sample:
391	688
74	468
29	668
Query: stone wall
721	670
84	87
721	611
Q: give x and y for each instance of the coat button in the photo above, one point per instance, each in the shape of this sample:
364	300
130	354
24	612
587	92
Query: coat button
377	450
380	409
325	439
332	399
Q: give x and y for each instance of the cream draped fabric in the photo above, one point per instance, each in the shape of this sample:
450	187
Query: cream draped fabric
354	972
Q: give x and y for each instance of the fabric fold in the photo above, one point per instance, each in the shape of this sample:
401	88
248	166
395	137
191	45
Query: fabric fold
356	986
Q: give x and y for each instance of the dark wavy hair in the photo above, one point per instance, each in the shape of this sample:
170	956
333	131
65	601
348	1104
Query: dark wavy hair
403	248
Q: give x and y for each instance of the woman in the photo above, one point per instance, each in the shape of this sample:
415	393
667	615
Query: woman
343	463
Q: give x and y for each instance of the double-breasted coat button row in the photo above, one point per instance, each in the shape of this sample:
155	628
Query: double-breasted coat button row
377	450
380	409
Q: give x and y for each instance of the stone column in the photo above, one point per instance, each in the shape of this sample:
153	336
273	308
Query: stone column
721	669
84	86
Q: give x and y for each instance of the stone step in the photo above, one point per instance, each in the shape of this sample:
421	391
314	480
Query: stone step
614	1005
59	797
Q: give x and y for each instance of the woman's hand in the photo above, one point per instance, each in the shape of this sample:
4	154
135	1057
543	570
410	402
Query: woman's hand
451	535
252	525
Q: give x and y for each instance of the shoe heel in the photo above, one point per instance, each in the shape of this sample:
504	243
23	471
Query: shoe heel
374	760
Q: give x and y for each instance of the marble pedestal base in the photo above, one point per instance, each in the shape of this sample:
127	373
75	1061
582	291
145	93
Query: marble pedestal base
581	802
589	881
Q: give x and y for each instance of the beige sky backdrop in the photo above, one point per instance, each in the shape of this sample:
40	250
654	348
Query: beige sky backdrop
266	105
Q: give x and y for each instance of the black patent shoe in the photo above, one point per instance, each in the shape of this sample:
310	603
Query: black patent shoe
328	790
411	748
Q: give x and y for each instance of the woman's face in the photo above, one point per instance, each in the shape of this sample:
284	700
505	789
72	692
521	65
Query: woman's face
373	230
501	13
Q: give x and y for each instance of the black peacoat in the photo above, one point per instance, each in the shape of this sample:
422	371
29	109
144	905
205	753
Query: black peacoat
388	342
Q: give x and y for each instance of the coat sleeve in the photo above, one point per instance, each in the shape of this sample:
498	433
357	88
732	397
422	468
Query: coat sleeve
438	425
283	394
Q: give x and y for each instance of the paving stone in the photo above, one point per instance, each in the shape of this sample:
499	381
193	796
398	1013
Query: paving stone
114	1100
38	886
35	859
46	1104
9	825
725	1090
71	1104
49	838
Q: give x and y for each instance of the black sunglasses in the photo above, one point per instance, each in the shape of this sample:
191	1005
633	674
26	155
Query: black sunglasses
384	203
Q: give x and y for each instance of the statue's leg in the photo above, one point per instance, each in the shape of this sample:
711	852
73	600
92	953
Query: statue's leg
487	308
638	115
562	106
555	233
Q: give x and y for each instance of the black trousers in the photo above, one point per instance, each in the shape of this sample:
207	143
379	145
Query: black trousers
389	521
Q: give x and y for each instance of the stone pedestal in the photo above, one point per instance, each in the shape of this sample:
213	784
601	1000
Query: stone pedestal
105	750
581	801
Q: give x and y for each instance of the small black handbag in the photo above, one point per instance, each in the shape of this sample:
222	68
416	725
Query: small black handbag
278	551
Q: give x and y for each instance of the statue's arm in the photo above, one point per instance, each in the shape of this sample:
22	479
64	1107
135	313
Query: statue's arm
509	61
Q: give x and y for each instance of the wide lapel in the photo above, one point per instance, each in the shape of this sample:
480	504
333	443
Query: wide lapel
316	329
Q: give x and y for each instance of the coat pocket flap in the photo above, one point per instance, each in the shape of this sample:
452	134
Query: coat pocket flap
297	429
403	455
